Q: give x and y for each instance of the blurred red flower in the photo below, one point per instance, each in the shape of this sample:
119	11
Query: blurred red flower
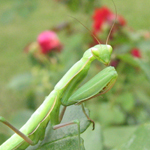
104	15
48	41
135	52
99	17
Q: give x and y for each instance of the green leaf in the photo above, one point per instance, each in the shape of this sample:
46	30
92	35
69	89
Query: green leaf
127	58
93	138
139	140
117	135
109	115
69	143
65	137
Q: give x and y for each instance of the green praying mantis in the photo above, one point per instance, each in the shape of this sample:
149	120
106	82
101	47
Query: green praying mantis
34	128
65	93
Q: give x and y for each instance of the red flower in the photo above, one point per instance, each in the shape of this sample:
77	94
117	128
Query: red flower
48	41
135	52
104	15
99	17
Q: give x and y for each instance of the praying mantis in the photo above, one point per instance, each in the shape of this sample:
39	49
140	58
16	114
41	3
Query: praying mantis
65	93
62	94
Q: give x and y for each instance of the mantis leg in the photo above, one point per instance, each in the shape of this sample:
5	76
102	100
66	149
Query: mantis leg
88	116
28	140
62	113
70	123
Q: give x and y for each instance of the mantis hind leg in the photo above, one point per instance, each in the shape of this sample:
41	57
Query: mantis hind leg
26	138
70	123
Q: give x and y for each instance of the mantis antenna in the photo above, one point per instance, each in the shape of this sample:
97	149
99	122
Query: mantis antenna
87	29
110	28
112	24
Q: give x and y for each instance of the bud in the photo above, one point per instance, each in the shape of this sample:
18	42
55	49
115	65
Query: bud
48	41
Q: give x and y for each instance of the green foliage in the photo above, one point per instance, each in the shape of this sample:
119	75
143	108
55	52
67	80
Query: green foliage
138	140
84	5
114	136
95	136
145	67
66	137
127	104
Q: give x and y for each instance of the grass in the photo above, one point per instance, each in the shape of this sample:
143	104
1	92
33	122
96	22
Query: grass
15	35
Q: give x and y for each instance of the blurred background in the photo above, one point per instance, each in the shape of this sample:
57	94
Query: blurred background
29	68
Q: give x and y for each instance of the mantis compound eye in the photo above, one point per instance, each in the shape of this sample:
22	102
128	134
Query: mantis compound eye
109	49
102	53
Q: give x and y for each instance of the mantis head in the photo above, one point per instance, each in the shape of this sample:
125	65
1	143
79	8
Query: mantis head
102	53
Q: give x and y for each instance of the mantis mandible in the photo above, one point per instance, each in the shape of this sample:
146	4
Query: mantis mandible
64	94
